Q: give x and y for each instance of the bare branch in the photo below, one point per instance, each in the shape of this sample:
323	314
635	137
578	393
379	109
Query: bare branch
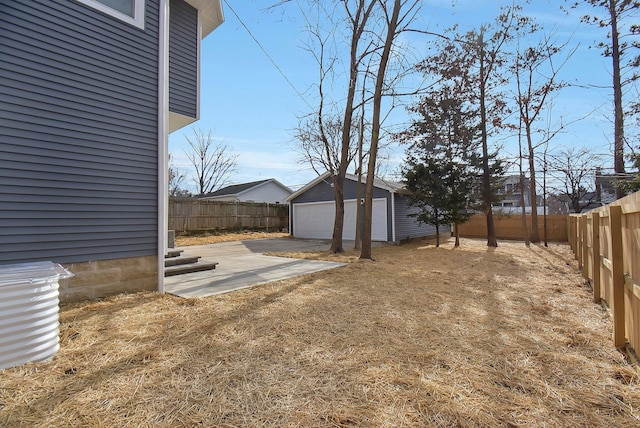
212	162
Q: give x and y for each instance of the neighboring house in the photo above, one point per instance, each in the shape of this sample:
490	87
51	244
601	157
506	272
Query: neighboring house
606	186
511	194
90	91
312	211
270	191
511	197
600	193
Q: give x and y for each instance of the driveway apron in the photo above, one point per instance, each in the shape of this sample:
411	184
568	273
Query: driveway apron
242	264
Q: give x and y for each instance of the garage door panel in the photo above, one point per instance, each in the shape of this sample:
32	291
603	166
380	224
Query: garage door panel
315	220
379	223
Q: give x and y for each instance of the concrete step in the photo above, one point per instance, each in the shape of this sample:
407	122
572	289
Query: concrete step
189	268
173	253
182	260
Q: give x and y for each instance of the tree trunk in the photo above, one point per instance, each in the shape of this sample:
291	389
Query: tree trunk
365	252
456	232
358	240
361	16
535	233
618	152
486	173
544	196
525	229
338	224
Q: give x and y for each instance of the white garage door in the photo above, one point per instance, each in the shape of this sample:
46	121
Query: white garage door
314	220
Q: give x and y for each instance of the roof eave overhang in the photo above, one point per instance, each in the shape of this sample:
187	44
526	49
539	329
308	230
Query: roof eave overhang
211	14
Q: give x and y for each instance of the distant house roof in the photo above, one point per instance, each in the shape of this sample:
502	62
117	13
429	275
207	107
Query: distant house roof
390	186
238	189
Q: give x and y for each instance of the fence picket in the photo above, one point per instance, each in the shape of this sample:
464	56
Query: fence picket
615	263
617	274
195	215
510	227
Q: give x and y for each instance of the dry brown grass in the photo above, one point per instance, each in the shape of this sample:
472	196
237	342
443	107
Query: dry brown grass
211	238
424	336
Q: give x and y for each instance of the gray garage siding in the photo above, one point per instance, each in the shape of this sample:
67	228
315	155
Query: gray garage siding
408	227
324	192
78	133
183	58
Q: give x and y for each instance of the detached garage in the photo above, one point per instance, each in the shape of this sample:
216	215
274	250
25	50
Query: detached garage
312	210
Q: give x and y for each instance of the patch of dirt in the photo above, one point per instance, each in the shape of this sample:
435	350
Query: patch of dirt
421	337
210	238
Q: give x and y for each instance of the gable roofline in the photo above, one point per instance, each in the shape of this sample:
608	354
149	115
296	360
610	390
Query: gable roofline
389	186
265	182
240	188
309	185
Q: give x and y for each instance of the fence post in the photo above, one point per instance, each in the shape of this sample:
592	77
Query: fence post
574	234
617	272
569	230
595	262
584	259
579	239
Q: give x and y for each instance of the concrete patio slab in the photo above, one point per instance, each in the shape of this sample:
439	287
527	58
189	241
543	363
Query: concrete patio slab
242	264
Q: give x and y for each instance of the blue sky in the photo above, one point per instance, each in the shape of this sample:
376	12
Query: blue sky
251	108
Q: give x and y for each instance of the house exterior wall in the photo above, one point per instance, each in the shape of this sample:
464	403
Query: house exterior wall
408	227
99	278
267	192
79	142
183	58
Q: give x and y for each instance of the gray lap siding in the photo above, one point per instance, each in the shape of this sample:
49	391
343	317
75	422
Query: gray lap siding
183	59
407	227
78	133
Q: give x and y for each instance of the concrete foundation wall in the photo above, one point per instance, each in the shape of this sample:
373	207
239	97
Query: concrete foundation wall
107	277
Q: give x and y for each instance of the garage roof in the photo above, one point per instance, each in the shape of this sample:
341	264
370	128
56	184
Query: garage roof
390	186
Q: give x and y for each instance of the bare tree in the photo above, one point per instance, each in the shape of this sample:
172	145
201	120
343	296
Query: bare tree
359	23
176	178
476	61
615	12
573	171
489	54
358	20
536	74
322	149
213	163
525	229
331	149
632	183
396	20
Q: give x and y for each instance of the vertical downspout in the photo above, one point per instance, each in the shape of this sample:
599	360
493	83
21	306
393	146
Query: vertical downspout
198	56
290	218
393	217
163	137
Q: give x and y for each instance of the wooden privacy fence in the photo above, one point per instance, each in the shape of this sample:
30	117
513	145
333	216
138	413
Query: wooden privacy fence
606	243
194	215
510	227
